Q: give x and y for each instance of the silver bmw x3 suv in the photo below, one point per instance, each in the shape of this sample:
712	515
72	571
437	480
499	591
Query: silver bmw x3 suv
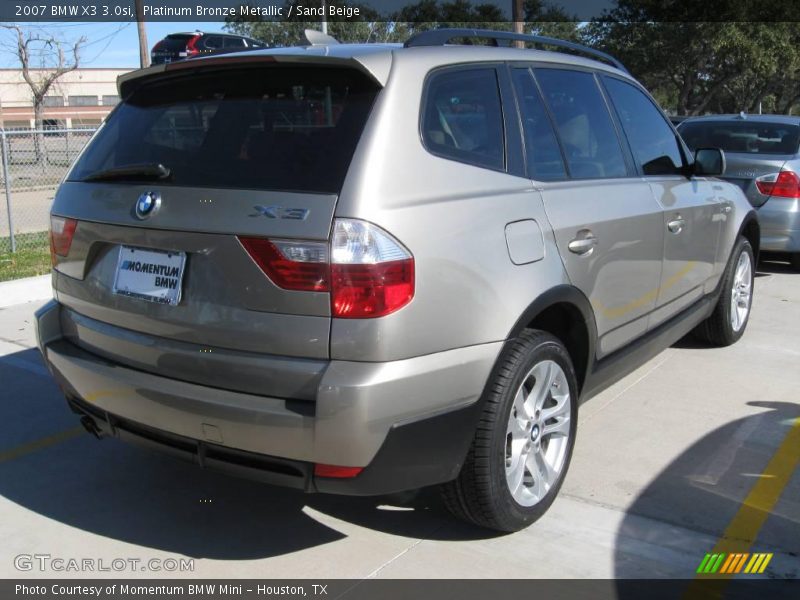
363	269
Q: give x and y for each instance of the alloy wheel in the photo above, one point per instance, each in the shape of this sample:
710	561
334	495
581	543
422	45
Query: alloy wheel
741	291
537	436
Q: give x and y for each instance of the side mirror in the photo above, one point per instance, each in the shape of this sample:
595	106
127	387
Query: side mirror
709	161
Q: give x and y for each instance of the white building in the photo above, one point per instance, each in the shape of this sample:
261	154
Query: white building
82	97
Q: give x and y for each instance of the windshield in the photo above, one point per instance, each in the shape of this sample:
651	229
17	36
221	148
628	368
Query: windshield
742	137
272	128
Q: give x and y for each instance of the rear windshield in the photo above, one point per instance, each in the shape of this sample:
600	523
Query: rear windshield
742	137
272	128
175	42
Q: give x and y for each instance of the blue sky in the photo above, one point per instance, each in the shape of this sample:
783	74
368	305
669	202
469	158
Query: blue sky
108	44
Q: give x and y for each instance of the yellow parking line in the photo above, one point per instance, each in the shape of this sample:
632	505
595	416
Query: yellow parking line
757	506
743	529
40	444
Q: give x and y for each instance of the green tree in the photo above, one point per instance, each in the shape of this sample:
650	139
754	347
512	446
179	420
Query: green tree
542	18
701	66
430	14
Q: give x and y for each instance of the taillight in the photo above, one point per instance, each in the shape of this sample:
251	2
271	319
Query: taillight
785	184
158	46
62	230
191	46
292	265
367	272
372	274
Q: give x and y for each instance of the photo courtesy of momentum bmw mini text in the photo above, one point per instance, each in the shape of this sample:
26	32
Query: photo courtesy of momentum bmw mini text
399	298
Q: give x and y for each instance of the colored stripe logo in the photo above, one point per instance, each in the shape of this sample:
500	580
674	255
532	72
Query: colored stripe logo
735	562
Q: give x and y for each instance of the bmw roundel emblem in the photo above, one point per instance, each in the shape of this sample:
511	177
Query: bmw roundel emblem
147	204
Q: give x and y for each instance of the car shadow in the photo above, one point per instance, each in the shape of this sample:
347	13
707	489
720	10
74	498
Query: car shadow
768	265
143	497
703	489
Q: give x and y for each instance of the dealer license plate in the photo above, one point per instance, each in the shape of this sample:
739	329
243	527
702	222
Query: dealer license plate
150	275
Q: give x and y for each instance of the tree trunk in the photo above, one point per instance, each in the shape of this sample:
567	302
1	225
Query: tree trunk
710	94
39	147
786	109
517	15
683	92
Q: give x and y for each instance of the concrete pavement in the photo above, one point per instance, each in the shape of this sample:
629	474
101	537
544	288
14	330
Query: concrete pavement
662	464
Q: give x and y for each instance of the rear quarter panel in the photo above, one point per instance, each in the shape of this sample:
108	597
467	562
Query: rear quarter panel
452	217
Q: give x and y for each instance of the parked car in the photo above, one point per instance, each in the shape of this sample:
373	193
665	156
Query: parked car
763	158
677	119
180	46
374	268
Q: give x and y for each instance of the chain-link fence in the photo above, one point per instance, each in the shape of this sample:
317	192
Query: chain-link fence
33	164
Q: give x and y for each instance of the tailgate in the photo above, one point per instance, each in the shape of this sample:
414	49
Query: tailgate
186	167
226	301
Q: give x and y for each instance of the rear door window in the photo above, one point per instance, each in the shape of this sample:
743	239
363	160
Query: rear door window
651	138
753	137
267	128
462	117
584	124
542	152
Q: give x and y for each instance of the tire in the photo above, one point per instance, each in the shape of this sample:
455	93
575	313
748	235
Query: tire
794	260
724	327
482	493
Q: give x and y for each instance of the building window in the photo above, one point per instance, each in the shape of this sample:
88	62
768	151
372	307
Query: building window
51	101
83	100
110	100
53	125
16	124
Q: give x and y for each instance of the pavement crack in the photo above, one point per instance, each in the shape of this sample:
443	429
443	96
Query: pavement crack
394	558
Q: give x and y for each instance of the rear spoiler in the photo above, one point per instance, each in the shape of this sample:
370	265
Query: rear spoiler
375	65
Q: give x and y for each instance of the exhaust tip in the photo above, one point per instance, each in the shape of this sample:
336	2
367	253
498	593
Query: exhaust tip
90	426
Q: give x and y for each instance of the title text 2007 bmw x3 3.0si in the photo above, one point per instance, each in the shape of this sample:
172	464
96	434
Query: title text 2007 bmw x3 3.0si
363	269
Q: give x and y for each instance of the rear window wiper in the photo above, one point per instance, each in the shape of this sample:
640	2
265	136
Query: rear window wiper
143	171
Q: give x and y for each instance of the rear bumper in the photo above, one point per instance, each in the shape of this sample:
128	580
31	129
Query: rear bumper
779	219
409	422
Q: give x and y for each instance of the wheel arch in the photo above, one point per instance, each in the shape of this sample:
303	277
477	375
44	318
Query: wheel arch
565	312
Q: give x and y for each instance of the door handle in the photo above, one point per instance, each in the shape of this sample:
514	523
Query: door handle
676	225
583	244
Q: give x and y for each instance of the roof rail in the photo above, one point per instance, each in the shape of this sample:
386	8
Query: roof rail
440	37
